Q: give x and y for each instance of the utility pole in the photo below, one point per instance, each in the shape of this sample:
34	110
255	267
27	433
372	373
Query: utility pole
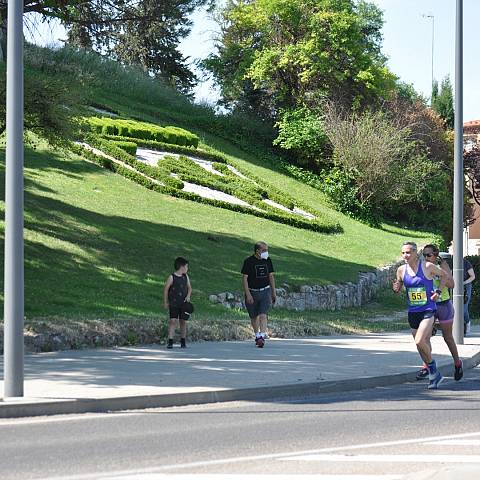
458	181
14	278
433	44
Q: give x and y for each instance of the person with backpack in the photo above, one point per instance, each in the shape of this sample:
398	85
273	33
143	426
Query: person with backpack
176	299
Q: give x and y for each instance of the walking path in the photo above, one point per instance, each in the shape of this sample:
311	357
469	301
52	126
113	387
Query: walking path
148	376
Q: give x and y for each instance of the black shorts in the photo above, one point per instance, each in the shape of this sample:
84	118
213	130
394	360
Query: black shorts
415	318
177	312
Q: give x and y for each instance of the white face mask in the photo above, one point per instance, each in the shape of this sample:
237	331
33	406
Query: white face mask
264	255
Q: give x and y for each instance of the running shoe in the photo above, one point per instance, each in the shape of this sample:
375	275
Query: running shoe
458	372
435	381
183	343
170	343
422	374
260	341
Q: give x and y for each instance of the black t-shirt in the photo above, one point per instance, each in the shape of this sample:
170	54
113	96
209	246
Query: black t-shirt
466	267
257	271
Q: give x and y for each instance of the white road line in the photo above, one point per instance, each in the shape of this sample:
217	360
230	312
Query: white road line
60	418
216	476
250	458
465	443
425	458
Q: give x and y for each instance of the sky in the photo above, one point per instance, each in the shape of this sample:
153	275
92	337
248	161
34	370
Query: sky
407	43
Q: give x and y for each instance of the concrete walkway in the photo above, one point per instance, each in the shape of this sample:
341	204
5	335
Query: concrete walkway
151	376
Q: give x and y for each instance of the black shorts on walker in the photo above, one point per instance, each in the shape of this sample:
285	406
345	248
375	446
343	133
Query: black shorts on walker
415	318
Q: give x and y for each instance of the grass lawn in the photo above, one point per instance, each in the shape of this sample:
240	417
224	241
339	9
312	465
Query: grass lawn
99	246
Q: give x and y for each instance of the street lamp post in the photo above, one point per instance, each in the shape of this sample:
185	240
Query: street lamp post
433	43
458	180
14	279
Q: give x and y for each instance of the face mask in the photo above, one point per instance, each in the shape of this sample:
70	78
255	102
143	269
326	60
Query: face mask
264	255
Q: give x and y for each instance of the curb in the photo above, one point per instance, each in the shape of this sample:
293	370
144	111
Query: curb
24	408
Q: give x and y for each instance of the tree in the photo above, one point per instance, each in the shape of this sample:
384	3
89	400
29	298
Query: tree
442	102
134	32
278	55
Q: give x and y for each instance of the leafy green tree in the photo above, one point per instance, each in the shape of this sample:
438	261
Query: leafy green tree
277	55
135	32
442	102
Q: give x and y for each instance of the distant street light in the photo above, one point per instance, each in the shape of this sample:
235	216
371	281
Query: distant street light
433	43
14	279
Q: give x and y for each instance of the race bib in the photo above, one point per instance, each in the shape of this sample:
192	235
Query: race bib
417	296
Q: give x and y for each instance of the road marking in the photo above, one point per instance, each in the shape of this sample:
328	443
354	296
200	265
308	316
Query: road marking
60	418
465	443
250	458
425	458
227	476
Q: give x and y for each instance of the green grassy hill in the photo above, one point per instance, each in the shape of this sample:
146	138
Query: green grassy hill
98	246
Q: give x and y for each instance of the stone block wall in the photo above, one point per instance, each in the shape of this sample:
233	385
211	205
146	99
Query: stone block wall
328	297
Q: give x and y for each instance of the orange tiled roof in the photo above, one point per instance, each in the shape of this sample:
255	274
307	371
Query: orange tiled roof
472	123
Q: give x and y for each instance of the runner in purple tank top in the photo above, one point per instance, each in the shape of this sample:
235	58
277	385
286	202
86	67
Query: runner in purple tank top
417	278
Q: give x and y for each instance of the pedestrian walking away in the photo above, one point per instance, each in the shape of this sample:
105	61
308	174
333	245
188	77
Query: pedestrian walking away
445	312
259	289
176	298
417	278
468	278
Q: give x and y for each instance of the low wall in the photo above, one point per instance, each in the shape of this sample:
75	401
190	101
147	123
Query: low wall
328	297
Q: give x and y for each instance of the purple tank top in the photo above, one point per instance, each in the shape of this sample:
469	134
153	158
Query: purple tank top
419	290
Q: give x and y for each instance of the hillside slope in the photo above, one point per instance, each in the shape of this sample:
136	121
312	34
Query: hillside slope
99	245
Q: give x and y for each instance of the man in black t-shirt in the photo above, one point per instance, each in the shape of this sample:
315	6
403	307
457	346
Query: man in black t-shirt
259	288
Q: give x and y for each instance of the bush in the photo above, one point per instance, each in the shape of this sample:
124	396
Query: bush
129	147
166	147
187	171
143	131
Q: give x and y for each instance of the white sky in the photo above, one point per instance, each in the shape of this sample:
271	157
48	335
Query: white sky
407	43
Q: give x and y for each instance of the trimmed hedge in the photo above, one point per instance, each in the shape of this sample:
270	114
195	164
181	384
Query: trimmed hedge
129	147
142	130
108	147
167	147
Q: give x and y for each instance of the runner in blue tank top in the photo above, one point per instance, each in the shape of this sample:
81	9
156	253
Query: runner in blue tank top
417	278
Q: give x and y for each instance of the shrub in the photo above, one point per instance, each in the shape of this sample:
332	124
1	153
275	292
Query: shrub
166	147
172	186
142	130
129	147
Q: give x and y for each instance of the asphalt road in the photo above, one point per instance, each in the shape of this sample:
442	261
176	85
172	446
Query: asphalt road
383	434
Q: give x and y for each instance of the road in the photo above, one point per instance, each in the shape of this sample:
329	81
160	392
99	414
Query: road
382	434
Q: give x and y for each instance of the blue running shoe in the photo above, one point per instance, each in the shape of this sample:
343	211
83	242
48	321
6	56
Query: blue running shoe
435	381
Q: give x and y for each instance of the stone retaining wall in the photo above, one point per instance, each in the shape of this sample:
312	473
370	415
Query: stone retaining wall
317	297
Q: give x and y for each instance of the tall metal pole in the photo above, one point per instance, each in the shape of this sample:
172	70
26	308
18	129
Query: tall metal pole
14	280
458	181
433	47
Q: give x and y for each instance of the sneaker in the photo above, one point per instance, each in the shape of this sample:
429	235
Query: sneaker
183	343
458	372
260	341
422	374
435	381
170	343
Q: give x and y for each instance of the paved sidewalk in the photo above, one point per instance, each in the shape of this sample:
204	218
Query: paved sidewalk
149	376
